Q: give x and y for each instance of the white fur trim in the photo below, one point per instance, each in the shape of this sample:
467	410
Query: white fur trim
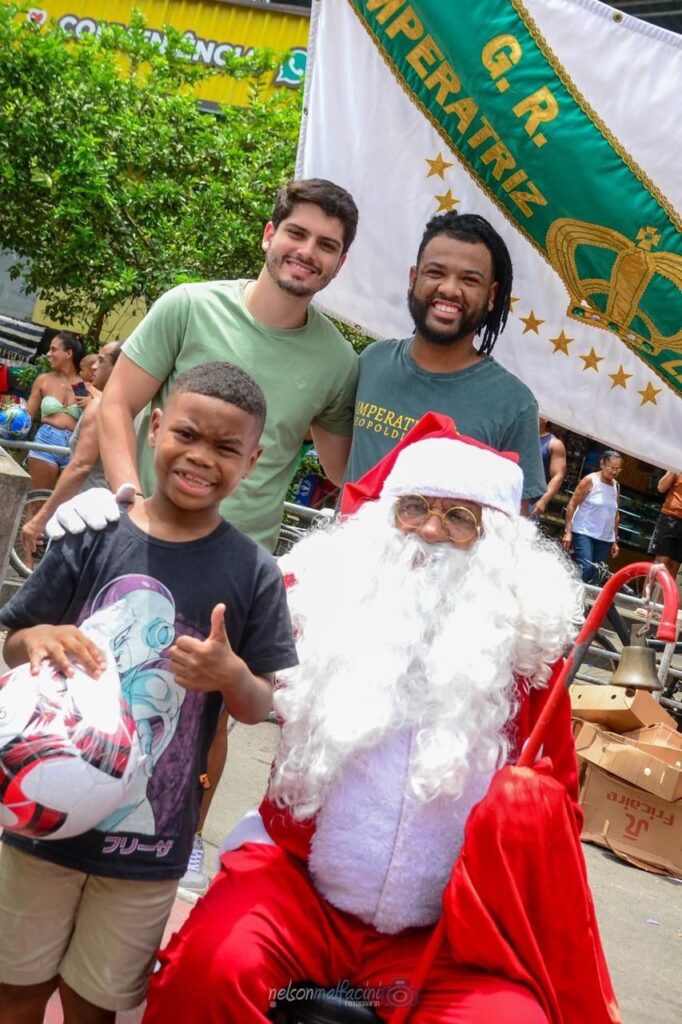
379	853
249	830
444	467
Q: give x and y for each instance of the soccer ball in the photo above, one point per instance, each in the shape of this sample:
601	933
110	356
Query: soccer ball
68	751
15	422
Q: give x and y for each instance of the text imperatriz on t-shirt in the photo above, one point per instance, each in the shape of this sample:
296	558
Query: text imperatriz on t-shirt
381	420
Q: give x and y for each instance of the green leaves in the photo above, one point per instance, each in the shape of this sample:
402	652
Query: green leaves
39	177
113	184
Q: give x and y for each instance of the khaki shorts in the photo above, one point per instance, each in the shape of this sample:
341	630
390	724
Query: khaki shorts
99	934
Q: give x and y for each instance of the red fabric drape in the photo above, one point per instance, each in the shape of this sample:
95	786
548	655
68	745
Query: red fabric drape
518	904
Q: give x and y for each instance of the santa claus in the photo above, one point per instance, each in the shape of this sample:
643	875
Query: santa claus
430	626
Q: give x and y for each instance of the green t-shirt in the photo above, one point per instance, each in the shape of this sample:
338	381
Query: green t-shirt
308	376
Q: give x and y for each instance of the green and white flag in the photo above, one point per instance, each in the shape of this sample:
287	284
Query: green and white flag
558	121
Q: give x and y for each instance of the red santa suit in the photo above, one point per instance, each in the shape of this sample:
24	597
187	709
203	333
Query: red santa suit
270	919
350	897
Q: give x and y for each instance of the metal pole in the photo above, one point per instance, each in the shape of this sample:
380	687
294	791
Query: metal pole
664	665
676	673
32	446
625	600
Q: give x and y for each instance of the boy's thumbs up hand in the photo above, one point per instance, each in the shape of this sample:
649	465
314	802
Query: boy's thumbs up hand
218	631
208	664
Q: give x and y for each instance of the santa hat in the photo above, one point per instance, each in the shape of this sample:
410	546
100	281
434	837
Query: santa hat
435	460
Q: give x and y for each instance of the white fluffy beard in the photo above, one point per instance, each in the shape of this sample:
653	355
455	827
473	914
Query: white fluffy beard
396	633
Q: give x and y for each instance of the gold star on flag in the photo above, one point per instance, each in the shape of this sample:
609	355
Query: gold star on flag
591	361
438	166
513	299
446	202
561	343
649	394
532	323
620	378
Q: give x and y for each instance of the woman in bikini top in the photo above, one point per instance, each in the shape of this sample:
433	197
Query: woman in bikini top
53	402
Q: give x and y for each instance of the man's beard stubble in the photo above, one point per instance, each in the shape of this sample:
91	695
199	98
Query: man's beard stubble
299	289
469	325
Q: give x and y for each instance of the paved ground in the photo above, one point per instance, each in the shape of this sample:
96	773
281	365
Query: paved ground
640	914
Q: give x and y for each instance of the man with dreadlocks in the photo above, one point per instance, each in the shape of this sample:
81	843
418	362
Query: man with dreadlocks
459	288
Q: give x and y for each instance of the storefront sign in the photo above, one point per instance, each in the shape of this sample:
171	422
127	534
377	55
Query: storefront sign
215	29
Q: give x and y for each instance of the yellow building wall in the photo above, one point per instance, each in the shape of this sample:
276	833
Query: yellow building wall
215	27
117	327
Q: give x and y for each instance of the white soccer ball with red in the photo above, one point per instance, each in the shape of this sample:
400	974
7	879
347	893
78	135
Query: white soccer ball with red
68	750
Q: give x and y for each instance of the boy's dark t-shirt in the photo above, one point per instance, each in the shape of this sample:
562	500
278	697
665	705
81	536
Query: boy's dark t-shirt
169	590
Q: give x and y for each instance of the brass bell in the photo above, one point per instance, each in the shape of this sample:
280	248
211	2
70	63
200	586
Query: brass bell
637	666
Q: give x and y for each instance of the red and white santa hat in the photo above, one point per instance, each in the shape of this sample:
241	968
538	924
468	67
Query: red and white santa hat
435	460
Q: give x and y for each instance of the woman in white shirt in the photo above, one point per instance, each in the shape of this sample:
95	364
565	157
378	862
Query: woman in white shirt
592	517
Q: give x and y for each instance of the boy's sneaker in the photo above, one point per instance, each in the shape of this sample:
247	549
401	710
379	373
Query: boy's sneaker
195	878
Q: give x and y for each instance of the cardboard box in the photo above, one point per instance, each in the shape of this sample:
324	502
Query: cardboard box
617	708
661	735
670	755
636	826
625	759
576	726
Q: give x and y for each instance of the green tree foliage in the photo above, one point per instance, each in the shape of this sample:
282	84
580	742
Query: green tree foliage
354	335
113	184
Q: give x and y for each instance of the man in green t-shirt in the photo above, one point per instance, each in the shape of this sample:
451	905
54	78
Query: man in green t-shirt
267	327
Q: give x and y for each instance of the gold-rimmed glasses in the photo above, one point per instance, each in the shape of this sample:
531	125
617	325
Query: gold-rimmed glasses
459	523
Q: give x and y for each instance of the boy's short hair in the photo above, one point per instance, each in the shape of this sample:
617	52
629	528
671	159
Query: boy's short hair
225	381
334	200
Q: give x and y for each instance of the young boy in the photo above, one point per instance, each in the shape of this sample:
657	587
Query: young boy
88	367
206	623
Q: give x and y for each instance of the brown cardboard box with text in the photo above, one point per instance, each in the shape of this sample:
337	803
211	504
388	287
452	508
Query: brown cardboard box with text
637	826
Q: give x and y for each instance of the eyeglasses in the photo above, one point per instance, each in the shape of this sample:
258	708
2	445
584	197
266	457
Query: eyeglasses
459	523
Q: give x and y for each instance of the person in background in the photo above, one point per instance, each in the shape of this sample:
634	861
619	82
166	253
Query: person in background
666	540
592	518
553	452
88	368
84	469
56	400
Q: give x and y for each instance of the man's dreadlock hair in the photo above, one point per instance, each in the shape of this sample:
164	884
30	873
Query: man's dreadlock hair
469	227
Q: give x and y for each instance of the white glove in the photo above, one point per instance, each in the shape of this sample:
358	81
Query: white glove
94	508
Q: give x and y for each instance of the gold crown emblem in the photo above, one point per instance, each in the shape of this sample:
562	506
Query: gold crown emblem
634	268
